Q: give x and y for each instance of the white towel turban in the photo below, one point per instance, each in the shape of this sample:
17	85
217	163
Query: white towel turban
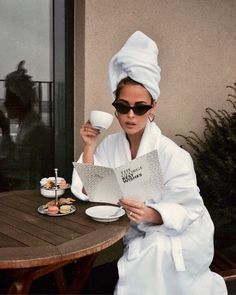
137	59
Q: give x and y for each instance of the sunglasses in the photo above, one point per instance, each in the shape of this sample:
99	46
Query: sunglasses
139	109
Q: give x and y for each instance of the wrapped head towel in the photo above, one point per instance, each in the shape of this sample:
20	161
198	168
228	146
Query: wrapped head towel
137	59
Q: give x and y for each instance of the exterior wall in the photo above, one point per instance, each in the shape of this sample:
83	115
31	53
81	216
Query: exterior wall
196	41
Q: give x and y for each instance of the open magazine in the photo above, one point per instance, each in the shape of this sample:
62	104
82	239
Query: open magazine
140	179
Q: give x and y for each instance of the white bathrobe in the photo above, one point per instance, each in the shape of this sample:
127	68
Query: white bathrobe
172	258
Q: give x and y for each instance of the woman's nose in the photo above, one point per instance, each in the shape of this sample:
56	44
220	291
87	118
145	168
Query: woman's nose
131	113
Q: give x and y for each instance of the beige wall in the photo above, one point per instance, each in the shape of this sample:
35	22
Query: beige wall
197	55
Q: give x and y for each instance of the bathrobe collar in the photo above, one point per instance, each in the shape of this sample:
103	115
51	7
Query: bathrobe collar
150	140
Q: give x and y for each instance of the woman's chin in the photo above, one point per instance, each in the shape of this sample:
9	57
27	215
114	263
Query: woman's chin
134	131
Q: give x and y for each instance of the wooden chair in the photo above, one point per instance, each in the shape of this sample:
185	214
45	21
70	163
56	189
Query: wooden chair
224	266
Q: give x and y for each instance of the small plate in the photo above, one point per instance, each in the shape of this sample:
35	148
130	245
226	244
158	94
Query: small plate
44	211
105	213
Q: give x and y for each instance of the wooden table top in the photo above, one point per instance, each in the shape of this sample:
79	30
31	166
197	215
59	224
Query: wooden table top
29	239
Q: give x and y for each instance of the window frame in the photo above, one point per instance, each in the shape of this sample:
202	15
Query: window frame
63	85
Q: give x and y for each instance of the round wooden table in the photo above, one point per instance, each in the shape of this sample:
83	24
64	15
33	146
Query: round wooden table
32	244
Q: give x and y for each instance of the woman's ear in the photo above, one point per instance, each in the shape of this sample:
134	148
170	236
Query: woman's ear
155	105
151	116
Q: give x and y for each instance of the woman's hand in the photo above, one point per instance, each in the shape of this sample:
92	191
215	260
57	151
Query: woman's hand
89	136
139	212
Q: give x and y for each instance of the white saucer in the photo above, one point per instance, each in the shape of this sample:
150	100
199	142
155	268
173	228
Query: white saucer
103	213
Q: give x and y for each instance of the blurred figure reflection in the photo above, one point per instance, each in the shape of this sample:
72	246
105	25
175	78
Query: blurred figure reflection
25	159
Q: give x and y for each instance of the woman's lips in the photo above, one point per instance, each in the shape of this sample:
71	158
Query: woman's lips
130	124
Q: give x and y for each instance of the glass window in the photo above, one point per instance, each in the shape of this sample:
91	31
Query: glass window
32	110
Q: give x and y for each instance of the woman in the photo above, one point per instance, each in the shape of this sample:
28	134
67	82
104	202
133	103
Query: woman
169	245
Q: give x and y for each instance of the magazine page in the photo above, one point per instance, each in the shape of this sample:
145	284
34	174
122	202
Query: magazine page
99	182
141	178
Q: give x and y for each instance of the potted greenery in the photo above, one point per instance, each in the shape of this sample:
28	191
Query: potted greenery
214	156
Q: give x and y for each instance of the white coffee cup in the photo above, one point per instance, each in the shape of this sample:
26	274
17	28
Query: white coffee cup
100	120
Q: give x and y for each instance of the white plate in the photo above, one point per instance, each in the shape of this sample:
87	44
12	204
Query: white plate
44	211
103	213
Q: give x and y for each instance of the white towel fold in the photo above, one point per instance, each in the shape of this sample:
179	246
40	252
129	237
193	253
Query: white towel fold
137	59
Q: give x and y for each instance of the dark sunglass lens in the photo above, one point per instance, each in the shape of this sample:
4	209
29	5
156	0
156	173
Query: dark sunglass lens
122	108
141	109
137	109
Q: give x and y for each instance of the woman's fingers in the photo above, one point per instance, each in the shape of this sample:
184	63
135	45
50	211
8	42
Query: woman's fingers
88	133
88	129
131	202
135	216
133	205
135	210
139	212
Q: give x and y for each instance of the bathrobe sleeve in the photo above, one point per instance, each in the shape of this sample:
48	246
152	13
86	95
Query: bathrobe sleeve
180	204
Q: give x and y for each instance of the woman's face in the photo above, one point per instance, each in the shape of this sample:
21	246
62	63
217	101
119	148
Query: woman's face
133	95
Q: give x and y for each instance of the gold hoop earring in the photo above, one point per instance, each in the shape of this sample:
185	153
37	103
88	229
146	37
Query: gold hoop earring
151	117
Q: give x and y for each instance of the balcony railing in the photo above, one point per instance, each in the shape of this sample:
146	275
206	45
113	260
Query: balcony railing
44	104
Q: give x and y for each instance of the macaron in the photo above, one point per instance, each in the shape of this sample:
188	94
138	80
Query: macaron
65	209
53	209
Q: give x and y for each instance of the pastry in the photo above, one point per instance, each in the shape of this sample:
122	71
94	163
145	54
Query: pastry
50	203
66	201
53	209
61	201
65	209
49	183
63	184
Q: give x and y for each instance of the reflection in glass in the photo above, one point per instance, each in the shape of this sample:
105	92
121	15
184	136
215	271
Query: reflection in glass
41	33
27	156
